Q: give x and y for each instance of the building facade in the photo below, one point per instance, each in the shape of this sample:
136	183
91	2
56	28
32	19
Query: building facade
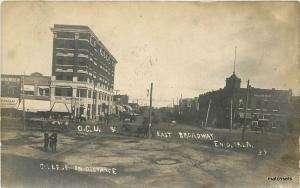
82	72
187	105
34	89
234	106
121	99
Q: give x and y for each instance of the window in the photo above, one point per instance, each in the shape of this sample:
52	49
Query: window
29	93
94	94
99	109
84	45
43	91
66	92
276	106
64	60
265	105
84	36
82	78
64	76
90	94
29	90
65	35
81	93
60	43
258	104
82	62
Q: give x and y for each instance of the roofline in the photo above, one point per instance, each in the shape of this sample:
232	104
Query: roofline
20	75
81	28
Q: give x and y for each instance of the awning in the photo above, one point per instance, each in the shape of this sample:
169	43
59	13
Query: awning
44	87
60	107
128	107
35	105
120	108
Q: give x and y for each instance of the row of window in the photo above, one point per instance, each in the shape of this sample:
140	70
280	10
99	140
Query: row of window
70	44
260	104
9	91
41	92
83	78
82	93
15	91
69	60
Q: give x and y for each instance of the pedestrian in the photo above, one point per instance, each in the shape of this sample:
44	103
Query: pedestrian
80	118
53	141
46	141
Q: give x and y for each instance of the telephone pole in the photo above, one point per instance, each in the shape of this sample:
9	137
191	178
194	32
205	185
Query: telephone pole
207	112
245	112
23	98
231	122
150	111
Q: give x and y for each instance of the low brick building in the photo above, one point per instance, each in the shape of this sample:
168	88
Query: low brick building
36	92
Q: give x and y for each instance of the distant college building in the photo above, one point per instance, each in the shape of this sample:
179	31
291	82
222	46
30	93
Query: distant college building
82	71
271	107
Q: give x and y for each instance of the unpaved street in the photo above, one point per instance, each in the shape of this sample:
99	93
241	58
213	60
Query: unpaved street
138	162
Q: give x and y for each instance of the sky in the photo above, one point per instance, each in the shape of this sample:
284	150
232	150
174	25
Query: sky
184	48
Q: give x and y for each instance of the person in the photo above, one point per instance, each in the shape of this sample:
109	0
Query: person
46	141
81	117
53	141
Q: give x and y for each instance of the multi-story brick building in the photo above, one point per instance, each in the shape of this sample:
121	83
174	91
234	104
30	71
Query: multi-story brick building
228	105
82	71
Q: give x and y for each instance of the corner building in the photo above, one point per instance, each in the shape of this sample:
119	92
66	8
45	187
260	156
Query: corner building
82	72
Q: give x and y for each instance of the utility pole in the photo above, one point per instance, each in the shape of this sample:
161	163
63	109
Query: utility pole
78	114
207	112
231	122
180	104
150	111
245	111
234	60
177	106
23	93
233	95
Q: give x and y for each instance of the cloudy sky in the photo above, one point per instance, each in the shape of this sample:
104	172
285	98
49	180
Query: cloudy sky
182	47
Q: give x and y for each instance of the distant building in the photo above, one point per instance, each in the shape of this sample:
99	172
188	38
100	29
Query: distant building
121	99
83	71
188	105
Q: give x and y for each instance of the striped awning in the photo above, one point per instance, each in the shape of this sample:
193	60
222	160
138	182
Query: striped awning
60	107
32	105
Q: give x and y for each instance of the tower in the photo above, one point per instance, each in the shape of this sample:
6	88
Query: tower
233	82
